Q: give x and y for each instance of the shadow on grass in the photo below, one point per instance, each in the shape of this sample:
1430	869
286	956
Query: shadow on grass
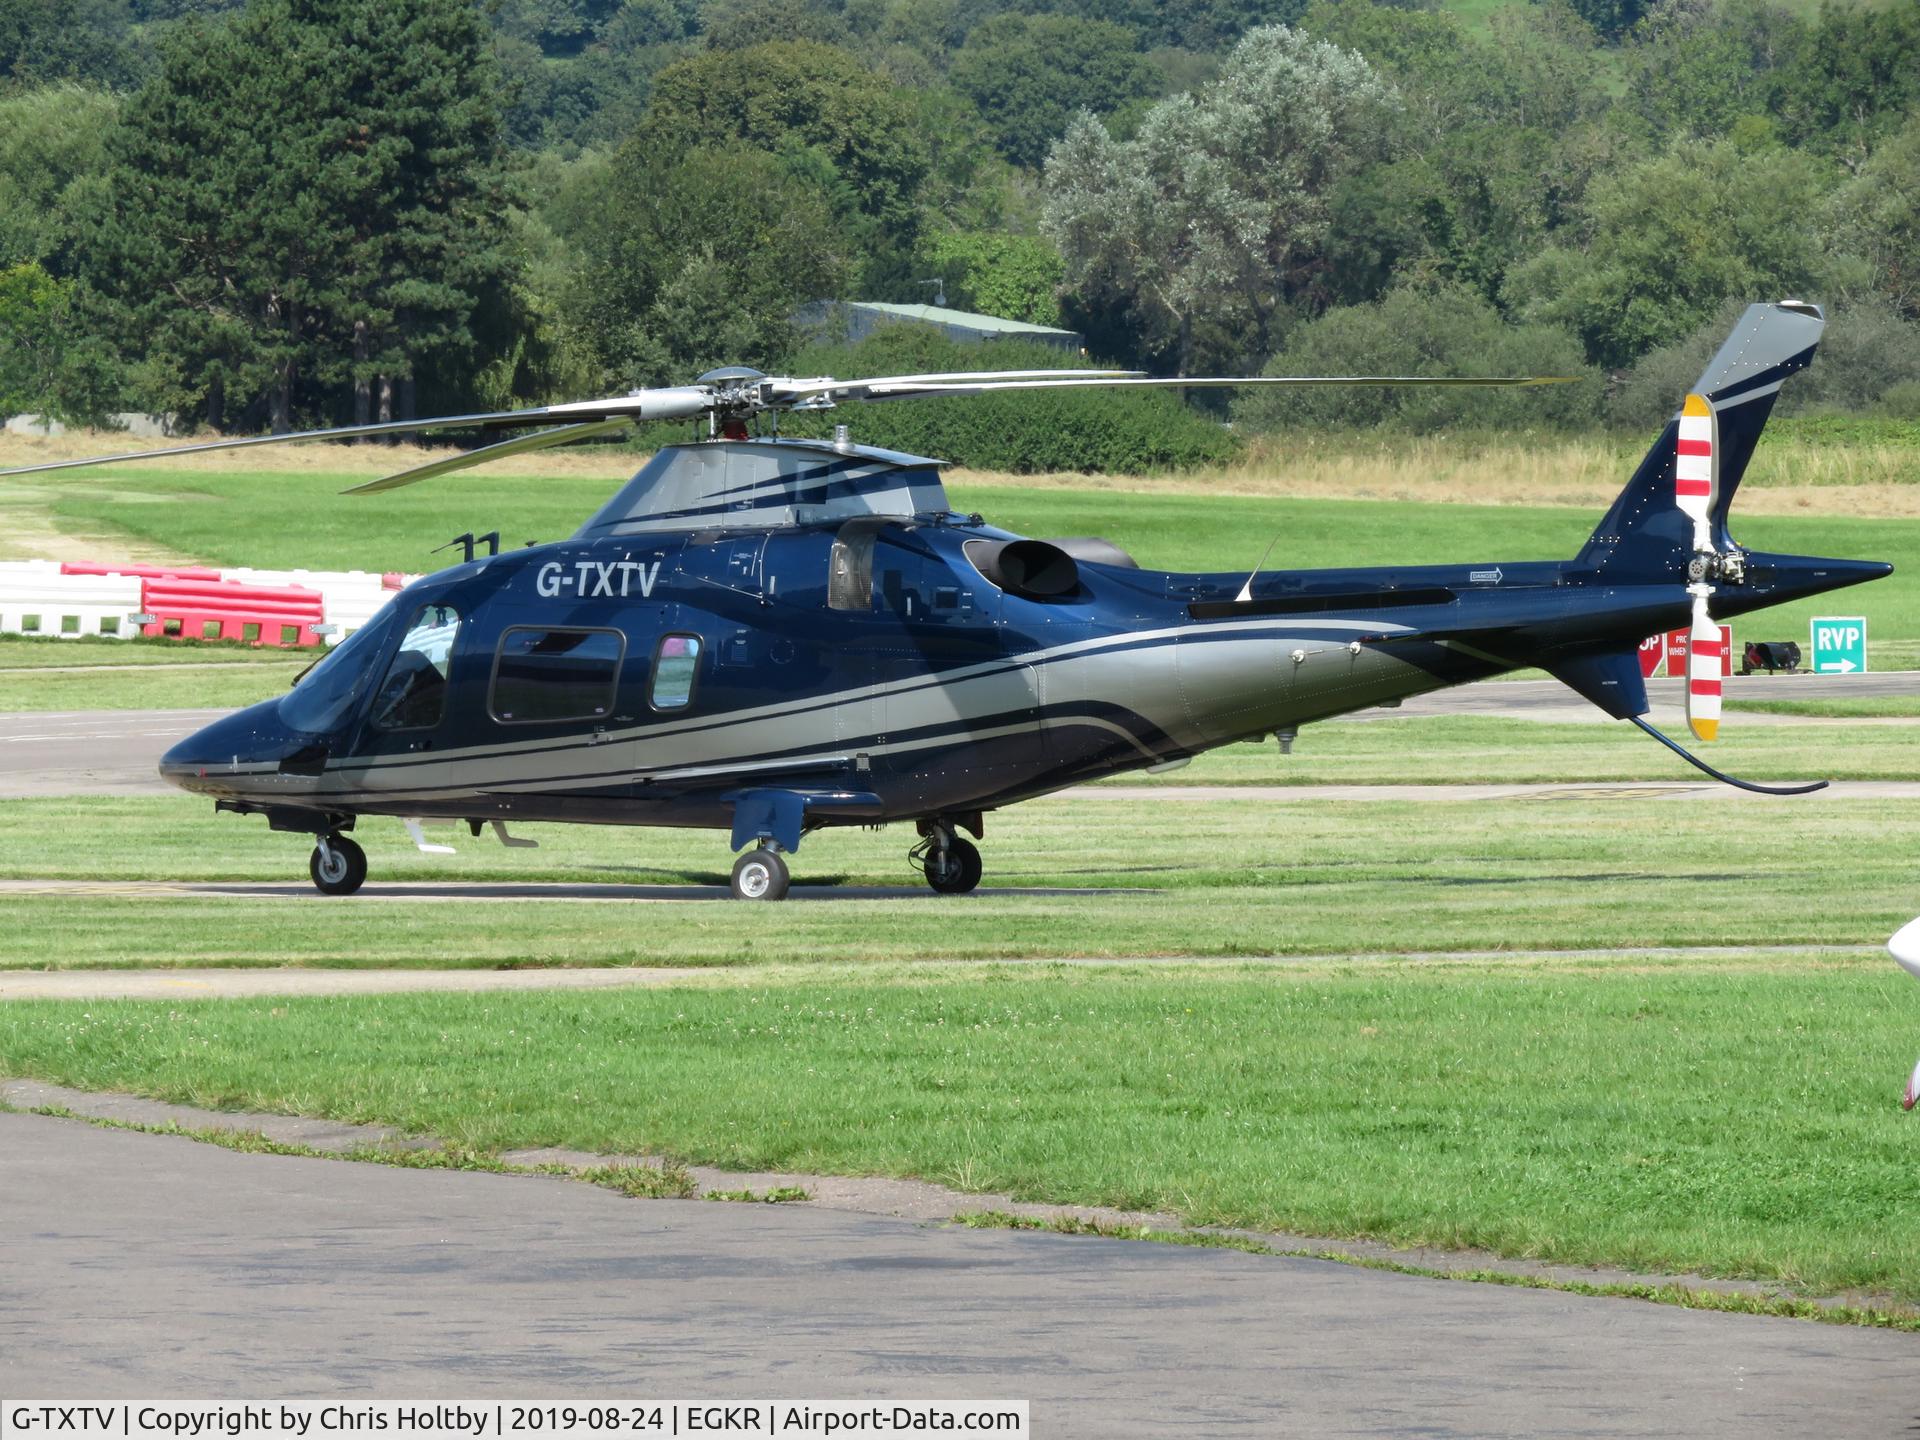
541	890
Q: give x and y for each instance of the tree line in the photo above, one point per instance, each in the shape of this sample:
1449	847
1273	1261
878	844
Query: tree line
290	212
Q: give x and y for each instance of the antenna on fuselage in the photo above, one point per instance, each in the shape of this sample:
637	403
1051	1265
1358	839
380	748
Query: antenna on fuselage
1246	590
468	542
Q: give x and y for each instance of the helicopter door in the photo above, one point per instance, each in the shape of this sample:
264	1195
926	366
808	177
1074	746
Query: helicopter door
860	714
406	713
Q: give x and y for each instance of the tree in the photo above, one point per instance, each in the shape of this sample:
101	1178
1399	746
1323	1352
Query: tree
1612	19
698	260
307	197
742	24
1420	46
51	138
1016	277
1029	74
1698	70
1217	212
1540	70
1667	240
85	40
794	96
558	27
1201	24
1876	217
1855	80
49	363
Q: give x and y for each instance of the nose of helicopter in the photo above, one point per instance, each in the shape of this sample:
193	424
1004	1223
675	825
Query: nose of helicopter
235	755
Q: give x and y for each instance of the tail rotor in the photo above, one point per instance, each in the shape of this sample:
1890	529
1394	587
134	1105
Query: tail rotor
1695	488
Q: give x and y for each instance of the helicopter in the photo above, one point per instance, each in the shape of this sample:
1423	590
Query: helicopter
770	636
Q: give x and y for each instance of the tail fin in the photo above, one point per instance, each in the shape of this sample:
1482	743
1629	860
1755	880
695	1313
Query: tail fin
1647	533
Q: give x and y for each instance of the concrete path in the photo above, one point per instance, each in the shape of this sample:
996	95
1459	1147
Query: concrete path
140	1265
191	984
186	983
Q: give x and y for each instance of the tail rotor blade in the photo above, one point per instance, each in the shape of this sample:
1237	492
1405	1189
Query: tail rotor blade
1706	653
1695	467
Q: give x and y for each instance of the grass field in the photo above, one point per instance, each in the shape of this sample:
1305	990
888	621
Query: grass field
151	687
29	652
1079	876
1840	708
1735	1119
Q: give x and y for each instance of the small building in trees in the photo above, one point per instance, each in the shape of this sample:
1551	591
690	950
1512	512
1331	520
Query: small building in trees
848	321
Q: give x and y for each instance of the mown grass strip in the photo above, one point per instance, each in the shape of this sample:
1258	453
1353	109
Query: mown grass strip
1666	1120
1074	876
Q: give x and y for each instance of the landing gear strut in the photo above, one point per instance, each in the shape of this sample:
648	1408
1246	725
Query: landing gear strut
760	875
337	865
950	862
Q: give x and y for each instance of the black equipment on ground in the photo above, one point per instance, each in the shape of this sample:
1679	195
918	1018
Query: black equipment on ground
1770	655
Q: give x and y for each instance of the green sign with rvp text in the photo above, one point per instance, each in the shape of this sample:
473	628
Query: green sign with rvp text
1839	644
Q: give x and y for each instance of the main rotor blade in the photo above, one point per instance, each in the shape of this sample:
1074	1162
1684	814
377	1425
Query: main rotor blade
671	403
883	390
466	460
827	385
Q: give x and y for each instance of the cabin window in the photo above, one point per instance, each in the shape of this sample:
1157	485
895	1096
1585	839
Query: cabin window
675	666
413	695
552	675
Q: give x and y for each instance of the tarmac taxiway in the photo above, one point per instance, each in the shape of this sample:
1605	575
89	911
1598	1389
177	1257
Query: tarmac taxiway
141	1265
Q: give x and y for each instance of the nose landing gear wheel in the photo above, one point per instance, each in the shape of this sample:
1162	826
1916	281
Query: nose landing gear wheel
760	875
337	865
954	868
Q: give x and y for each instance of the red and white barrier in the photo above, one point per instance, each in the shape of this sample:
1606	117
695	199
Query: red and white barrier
292	608
349	597
275	615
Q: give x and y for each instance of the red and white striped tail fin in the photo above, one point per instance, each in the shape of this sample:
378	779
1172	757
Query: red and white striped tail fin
1705	657
1693	467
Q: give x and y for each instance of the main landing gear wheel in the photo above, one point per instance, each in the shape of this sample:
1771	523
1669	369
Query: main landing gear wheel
760	875
954	868
338	866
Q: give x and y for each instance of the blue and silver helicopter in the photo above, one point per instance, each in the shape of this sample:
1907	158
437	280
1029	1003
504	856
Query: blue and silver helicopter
768	636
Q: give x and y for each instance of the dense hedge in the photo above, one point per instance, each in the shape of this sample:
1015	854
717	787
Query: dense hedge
1115	432
1445	330
1847	431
